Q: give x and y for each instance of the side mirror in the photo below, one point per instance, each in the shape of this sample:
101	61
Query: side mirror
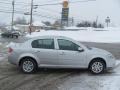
80	49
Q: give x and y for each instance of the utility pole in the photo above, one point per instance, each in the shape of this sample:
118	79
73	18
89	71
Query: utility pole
31	16
96	21
13	11
72	21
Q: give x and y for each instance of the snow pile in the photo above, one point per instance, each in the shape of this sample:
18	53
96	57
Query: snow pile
72	27
112	82
112	28
111	36
38	23
1	58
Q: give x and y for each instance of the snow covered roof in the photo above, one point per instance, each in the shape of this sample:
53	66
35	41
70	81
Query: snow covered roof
21	25
72	27
38	23
16	28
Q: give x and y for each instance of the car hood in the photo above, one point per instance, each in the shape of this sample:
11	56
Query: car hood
101	51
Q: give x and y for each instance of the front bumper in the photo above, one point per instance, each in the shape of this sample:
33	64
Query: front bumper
117	64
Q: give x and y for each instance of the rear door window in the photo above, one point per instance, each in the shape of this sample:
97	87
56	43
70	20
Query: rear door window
43	43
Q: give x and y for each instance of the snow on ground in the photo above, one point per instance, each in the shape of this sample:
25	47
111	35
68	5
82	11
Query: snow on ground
1	57
72	28
117	63
86	81
107	35
112	82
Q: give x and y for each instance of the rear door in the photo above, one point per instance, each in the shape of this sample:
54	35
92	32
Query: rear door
45	50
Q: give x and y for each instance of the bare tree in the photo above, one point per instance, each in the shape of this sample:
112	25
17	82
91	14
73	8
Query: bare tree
20	21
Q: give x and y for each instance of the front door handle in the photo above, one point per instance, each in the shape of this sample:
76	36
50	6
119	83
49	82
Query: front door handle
37	51
63	53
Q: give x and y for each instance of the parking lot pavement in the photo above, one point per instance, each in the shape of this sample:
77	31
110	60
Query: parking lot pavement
59	79
114	48
8	40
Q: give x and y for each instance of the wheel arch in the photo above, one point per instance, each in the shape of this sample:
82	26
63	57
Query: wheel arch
97	58
22	58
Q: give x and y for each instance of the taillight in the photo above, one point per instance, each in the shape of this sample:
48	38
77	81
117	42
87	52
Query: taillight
10	50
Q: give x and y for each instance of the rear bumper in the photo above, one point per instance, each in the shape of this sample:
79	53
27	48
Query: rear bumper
12	59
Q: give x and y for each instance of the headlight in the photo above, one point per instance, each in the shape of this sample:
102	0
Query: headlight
110	56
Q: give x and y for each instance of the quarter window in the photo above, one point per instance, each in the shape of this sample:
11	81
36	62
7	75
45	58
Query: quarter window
67	45
43	43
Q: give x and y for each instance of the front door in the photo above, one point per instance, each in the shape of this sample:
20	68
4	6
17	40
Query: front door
69	55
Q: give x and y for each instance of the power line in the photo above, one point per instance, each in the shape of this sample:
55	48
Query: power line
10	9
45	16
29	4
15	3
19	12
47	4
26	10
48	10
9	2
81	1
50	4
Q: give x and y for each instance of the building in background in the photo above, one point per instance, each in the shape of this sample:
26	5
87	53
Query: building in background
37	26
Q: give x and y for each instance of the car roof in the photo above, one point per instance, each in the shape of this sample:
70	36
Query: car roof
51	36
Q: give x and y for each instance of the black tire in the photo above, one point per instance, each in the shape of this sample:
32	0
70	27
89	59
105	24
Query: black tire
32	68
97	69
17	37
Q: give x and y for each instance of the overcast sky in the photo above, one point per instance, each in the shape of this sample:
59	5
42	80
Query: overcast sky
80	11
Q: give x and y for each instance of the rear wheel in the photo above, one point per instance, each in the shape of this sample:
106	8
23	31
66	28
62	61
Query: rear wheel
97	66
16	36
28	65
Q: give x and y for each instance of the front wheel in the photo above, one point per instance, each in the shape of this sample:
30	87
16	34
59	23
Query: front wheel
97	66
28	65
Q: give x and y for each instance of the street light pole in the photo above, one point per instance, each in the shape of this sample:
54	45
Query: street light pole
31	16
107	20
13	10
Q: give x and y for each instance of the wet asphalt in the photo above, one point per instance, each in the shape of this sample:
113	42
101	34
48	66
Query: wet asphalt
11	78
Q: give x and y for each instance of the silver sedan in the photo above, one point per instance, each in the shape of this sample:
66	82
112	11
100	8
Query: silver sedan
59	52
